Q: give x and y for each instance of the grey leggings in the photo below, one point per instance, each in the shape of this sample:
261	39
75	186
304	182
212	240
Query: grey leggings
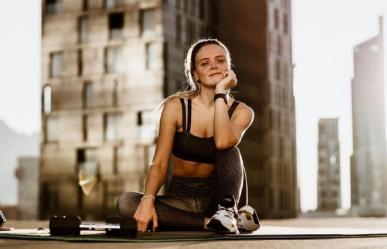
189	200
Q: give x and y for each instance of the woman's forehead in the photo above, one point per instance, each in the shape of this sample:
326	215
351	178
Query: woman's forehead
210	51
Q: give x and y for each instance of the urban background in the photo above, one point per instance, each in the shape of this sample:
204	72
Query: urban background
316	147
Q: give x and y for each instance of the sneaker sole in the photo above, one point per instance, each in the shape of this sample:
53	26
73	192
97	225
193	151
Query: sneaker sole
218	227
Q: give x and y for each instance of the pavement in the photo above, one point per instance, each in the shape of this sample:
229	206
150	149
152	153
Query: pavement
358	243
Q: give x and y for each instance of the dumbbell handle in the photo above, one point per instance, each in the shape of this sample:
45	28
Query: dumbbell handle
98	226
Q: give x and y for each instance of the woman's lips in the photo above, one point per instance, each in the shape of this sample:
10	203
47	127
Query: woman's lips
214	74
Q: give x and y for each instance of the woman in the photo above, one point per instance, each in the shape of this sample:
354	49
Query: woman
201	128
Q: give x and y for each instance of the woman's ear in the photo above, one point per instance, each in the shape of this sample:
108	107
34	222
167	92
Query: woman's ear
196	76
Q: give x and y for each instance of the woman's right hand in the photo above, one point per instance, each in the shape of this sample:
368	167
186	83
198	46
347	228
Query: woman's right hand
145	213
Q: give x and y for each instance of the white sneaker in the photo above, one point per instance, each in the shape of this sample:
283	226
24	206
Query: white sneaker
248	219
225	219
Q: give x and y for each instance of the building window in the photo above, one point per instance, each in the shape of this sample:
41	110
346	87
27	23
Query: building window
111	4
47	99
54	7
51	129
152	60
85	4
148	21
87	95
83	29
201	9
85	122
279	45
114	59
276	19
116	25
79	62
189	32
178	29
285	24
115	92
88	169
112	126
146	122
56	64
277	69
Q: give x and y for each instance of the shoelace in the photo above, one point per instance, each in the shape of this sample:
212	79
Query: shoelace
228	210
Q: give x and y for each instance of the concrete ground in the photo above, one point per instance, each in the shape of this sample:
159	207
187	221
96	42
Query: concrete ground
262	244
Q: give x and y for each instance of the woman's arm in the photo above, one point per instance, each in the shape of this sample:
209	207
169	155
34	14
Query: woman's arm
157	174
228	133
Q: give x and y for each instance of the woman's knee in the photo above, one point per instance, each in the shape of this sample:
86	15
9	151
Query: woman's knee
127	203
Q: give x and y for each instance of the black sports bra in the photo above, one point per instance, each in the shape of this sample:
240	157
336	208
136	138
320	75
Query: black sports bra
193	148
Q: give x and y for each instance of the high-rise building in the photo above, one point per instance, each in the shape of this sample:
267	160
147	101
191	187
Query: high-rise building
368	168
328	177
107	65
27	173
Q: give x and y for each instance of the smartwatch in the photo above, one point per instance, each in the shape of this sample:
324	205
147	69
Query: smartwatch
221	95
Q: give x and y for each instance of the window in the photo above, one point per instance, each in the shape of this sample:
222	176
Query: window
85	4
56	64
83	29
278	70
114	60
285	24
116	24
189	32
146	121
111	4
148	21
178	29
276	19
87	95
115	92
279	46
85	122
51	129
88	169
152	60
54	7
79	62
112	126
47	99
201	9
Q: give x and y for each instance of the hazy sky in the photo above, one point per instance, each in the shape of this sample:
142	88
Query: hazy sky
324	34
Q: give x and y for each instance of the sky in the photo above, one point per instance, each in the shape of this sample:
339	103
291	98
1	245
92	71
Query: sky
324	34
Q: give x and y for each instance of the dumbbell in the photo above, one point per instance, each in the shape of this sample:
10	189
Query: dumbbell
2	218
72	225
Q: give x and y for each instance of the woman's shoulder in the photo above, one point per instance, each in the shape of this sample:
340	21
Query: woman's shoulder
243	106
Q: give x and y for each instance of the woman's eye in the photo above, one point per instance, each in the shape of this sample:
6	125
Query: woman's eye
204	64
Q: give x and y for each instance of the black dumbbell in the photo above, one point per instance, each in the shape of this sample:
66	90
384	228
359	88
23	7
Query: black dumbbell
72	225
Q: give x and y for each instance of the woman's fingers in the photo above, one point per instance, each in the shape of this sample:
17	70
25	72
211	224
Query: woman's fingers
155	222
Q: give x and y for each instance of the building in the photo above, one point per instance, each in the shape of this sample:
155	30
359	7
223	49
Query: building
106	66
368	166
260	39
328	177
27	174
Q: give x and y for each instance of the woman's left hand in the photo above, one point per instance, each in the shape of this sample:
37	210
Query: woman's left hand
228	82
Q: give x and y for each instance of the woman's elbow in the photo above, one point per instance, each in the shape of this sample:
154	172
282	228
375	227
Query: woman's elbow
226	144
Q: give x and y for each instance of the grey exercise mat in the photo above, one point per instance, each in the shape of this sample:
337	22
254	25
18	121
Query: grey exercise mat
264	233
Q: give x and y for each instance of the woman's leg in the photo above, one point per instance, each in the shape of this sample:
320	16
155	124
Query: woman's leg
169	217
229	179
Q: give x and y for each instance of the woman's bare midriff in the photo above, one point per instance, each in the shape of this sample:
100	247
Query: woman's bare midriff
191	169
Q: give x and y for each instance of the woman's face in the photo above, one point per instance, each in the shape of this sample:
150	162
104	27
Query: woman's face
210	65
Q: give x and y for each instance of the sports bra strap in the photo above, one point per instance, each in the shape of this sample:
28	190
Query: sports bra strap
189	115
232	108
183	112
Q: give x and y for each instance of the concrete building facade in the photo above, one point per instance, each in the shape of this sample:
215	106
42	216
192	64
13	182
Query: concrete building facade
368	164
107	64
328	177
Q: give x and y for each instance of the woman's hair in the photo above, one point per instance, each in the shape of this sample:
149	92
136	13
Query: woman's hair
193	88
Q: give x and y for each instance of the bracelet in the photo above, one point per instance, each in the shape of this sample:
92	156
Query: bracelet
221	95
148	196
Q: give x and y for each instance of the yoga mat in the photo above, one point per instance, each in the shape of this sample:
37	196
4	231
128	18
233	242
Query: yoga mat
264	233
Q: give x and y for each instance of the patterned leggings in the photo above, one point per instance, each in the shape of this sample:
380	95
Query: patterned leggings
190	199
